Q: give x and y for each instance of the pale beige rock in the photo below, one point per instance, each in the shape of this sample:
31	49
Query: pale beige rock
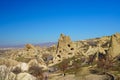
65	49
23	66
97	77
8	62
115	45
10	76
6	74
33	62
29	46
25	76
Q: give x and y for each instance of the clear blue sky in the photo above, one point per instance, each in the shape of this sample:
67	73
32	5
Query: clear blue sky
37	21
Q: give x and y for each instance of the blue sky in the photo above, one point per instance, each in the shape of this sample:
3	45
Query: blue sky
38	21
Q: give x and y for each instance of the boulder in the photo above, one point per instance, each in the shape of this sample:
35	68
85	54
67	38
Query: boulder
10	76
25	76
23	66
5	73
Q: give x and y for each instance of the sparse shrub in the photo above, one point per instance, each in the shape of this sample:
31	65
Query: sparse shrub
22	59
105	62
66	67
17	70
63	65
36	71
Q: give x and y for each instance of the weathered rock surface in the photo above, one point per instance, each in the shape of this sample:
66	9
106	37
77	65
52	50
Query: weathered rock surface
25	76
33	62
10	76
23	66
35	56
114	49
97	77
65	49
8	62
6	74
85	74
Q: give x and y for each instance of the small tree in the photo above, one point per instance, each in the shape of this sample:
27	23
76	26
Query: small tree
63	66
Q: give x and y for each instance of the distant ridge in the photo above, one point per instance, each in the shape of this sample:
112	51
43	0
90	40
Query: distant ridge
46	44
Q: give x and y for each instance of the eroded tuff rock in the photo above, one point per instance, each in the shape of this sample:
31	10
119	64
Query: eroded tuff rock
31	55
25	76
65	49
8	62
23	66
6	74
114	49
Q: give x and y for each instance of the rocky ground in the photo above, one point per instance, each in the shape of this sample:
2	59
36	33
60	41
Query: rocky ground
91	59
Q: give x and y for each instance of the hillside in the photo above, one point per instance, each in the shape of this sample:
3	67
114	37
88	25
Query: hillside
91	59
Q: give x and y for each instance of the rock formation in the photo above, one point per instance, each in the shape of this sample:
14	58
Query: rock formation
65	49
23	66
6	74
25	76
78	53
8	62
114	49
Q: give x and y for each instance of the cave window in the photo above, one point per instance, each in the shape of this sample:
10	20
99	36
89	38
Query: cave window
68	45
59	56
69	53
72	48
59	60
60	51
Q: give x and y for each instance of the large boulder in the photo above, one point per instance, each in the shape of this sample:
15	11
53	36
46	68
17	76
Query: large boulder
23	66
10	76
25	76
6	74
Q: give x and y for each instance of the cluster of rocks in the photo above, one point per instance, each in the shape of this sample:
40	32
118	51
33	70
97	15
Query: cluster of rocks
14	70
7	74
105	45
